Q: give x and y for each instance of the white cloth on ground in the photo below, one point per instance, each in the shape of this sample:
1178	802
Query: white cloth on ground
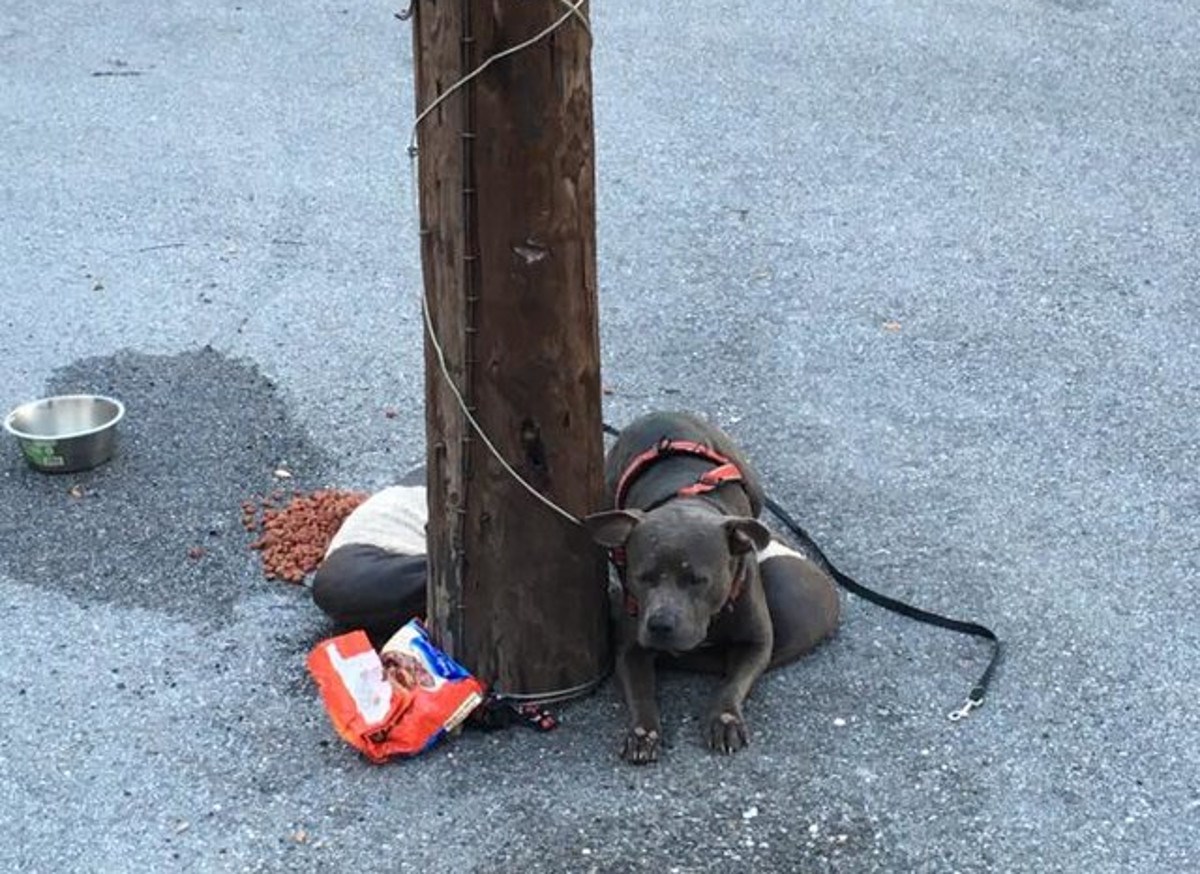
393	519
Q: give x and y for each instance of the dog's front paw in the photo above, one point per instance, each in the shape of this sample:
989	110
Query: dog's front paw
727	732
641	745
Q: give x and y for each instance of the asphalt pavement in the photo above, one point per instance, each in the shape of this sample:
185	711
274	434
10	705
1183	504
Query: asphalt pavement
935	265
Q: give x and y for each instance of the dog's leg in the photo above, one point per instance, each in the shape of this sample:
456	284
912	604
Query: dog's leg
635	672
727	726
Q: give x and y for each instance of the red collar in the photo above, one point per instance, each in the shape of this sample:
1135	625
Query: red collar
724	472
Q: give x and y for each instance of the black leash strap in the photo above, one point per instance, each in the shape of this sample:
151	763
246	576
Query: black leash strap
979	691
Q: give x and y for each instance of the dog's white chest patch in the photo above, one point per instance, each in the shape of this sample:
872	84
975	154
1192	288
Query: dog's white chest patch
775	549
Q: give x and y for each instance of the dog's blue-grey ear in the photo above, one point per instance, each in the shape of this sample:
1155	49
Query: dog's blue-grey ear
612	528
746	534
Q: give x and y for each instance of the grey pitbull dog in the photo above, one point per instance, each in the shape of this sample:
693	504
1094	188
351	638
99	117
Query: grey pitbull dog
703	582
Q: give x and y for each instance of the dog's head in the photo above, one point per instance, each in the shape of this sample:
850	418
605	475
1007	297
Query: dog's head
681	561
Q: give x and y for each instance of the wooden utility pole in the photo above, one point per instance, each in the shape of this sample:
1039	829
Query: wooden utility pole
517	593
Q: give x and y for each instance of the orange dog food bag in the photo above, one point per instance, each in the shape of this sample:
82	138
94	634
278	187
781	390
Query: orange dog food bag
397	702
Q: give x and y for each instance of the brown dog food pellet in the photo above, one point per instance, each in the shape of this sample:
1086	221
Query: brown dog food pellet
293	537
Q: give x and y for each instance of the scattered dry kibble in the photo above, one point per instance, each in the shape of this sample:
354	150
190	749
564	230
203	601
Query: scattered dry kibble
195	553
294	533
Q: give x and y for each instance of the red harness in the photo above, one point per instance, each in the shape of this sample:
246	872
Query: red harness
724	472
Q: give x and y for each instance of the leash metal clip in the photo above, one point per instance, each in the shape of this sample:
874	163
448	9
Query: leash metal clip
965	711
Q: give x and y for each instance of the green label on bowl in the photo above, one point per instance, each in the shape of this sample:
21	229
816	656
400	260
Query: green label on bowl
42	454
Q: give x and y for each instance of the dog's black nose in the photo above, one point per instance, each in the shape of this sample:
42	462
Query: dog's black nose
660	623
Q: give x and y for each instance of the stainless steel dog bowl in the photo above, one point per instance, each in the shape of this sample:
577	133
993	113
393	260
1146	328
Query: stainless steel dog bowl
66	433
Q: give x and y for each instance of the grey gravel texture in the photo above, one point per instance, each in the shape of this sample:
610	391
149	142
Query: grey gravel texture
934	264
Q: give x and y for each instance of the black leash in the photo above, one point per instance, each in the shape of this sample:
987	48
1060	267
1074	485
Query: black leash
978	691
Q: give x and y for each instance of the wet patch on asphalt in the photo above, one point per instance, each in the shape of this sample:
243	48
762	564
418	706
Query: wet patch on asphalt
159	525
